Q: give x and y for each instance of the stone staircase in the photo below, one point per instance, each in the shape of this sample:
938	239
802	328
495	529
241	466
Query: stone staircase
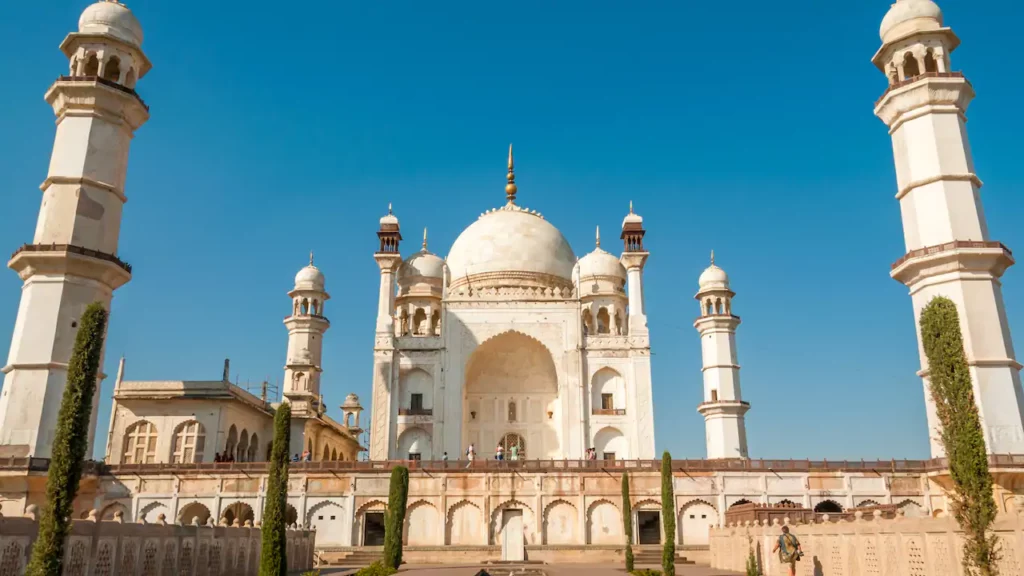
356	558
651	556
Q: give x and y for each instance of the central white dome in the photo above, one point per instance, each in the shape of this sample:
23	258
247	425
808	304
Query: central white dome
511	247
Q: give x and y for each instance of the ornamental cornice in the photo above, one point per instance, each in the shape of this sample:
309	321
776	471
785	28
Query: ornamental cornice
984	259
419	343
90	96
512	283
948	93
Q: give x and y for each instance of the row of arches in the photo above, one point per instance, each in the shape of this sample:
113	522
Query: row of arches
910	507
327	453
188	444
912	65
109	68
418	323
234	514
306	307
605	322
712	306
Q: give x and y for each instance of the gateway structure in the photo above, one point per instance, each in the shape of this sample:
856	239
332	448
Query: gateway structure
510	341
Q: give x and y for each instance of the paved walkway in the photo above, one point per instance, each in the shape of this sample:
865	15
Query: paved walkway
552	570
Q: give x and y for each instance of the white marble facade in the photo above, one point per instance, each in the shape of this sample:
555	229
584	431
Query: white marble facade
511	340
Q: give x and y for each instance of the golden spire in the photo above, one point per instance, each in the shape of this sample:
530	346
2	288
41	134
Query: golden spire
712	257
510	188
424	238
598	236
310	257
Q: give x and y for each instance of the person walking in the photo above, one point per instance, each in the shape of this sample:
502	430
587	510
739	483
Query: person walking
499	453
514	452
470	454
789	550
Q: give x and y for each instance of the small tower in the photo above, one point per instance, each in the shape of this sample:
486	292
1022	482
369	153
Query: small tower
949	250
601	282
420	285
306	327
723	407
350	412
634	256
72	260
388	258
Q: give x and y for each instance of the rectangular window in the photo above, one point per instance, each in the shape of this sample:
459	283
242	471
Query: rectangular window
417	402
714	395
607	402
609	456
414	456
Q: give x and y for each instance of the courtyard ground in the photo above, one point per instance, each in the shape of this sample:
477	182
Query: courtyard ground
551	570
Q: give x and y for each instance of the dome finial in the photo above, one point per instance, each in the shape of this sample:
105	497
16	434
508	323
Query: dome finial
389	208
630	206
310	257
510	188
424	238
598	236
712	257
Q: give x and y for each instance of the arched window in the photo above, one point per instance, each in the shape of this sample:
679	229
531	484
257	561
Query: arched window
316	307
586	322
910	67
295	307
334	454
327	454
229	447
512	439
112	71
930	65
511	410
243	446
254	443
140	443
129	78
710	307
435	323
419	322
828	507
73	69
92	65
189	442
603	321
305	306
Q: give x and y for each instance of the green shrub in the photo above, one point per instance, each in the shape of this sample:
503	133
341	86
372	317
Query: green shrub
70	444
311	573
752	564
627	521
961	435
398	497
376	569
668	516
273	554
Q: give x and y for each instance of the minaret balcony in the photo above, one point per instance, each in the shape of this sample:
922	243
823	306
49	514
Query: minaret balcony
59	259
931	89
95	94
104	82
415	411
608	412
960	256
723	408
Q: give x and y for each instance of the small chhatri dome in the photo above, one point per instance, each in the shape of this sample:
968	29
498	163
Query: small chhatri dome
924	14
113	18
601	264
310	277
713	277
632	217
389	218
422	264
351	401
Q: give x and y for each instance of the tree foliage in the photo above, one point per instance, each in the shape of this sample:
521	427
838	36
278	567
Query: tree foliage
398	496
70	444
961	435
668	517
627	521
273	554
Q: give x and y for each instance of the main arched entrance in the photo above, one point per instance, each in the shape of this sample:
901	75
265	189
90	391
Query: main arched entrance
511	397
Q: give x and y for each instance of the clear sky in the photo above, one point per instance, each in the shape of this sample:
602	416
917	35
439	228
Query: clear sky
744	127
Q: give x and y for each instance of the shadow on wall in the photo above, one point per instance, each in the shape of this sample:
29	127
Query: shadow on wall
818	569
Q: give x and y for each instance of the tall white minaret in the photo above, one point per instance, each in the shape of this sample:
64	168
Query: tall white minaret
388	259
306	327
723	407
949	250
72	260
634	257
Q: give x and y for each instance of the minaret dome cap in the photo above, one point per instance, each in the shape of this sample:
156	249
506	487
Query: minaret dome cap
389	218
113	18
632	217
907	16
310	277
713	277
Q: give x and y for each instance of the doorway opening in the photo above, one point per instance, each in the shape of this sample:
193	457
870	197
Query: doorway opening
648	527
373	529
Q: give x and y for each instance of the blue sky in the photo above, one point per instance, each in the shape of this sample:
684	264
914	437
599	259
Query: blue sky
744	127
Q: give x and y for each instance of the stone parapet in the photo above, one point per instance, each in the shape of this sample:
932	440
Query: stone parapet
106	548
869	544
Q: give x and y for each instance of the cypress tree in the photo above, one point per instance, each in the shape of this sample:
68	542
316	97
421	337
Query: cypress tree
273	554
668	517
961	434
70	444
398	496
627	521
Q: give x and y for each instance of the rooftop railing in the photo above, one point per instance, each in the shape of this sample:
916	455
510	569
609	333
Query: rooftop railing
928	250
1000	461
913	79
74	250
107	83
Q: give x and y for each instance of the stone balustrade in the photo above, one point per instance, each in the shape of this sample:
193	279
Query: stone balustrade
114	548
867	545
